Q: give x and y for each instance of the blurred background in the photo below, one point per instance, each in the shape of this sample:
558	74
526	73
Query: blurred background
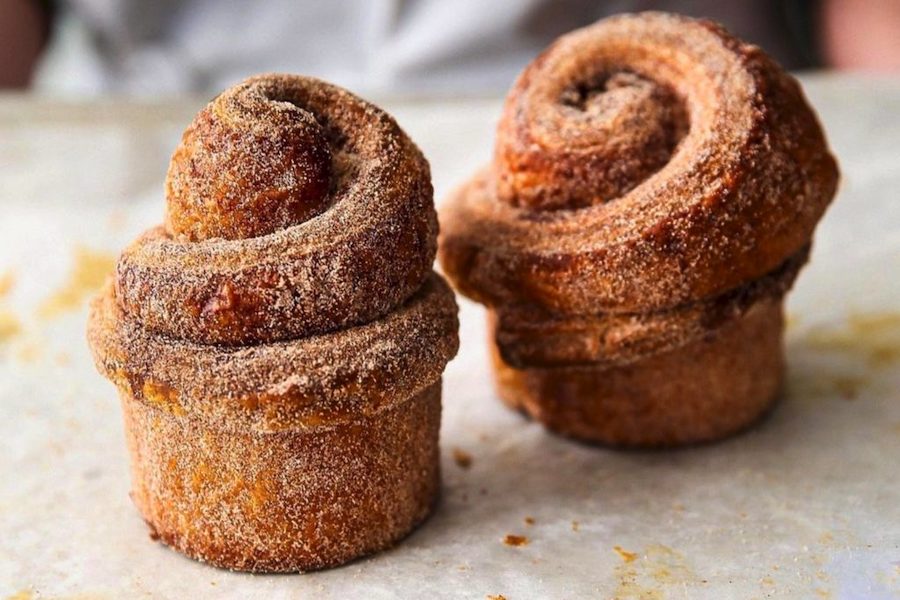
163	48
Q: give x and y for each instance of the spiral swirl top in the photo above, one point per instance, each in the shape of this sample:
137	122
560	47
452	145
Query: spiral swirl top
253	161
294	208
291	287
642	163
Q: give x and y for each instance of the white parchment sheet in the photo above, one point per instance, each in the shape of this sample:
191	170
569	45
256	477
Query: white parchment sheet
807	505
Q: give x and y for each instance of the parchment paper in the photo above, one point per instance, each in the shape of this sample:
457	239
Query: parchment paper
805	505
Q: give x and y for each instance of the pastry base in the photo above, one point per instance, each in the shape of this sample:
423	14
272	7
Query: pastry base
703	391
285	501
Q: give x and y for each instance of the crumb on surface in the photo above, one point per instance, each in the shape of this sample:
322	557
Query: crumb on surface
625	554
529	520
462	458
515	540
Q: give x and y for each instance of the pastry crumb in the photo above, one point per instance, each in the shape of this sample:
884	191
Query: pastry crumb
625	554
529	520
515	540
462	458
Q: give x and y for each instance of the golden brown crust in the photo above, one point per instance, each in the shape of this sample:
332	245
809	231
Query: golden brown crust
282	392
707	389
287	501
741	191
533	337
306	383
656	183
251	163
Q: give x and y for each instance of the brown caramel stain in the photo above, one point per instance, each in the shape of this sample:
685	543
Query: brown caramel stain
10	326
650	574
874	337
515	540
30	595
864	343
827	384
462	458
529	520
88	274
625	554
7	280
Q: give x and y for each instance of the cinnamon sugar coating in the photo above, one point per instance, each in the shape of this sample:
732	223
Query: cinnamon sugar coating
364	255
527	336
654	182
306	383
739	193
711	387
278	346
287	501
253	161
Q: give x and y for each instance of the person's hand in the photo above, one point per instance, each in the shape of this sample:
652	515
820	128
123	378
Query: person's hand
23	32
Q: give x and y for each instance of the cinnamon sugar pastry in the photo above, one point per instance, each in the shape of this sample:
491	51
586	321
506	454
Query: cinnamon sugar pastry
278	346
654	192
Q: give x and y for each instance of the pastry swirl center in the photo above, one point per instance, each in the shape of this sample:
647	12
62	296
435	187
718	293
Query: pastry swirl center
251	163
621	118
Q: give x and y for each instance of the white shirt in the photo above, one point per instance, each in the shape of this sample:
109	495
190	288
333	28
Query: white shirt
455	47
